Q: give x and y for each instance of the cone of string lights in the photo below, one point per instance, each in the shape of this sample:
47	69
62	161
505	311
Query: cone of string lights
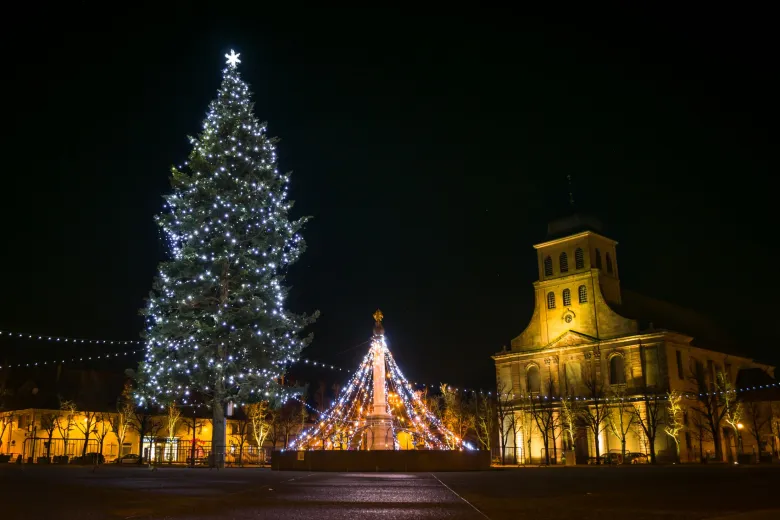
378	409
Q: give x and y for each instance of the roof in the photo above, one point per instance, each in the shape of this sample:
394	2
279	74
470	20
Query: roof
43	388
652	313
756	385
572	224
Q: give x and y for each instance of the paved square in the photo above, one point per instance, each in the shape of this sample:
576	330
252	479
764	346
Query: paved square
635	492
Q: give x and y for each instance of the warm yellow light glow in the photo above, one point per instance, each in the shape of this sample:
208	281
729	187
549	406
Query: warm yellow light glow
740	426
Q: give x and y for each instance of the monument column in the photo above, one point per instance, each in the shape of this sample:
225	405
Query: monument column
380	421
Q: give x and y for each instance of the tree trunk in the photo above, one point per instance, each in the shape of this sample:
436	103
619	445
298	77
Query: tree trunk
141	435
218	433
598	452
652	448
716	439
623	449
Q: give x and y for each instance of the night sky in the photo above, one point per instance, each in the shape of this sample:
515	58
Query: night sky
431	151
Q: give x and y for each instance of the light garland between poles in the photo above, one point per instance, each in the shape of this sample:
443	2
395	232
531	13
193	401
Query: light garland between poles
63	339
71	360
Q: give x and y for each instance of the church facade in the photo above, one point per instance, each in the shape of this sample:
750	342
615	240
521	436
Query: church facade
613	372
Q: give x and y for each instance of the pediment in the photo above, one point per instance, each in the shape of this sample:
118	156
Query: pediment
571	338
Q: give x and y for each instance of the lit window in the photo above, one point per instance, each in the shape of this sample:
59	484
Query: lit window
564	260
548	266
617	373
609	263
598	258
550	300
579	258
583	293
566	297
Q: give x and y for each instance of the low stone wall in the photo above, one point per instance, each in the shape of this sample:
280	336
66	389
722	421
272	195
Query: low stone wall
401	460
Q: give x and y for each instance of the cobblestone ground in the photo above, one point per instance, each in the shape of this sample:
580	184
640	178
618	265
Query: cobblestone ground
635	492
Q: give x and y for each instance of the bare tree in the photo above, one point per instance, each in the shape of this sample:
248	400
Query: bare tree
288	420
774	423
102	429
66	422
456	415
569	413
757	421
545	417
650	418
506	417
261	418
172	419
6	419
485	420
147	425
86	427
594	412
709	408
193	425
675	419
620	415
241	426
122	419
48	424
732	408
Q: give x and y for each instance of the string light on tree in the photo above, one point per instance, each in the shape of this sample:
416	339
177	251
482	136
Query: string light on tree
215	320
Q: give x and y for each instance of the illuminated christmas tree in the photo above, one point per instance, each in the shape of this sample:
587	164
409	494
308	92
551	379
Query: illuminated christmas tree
378	410
217	327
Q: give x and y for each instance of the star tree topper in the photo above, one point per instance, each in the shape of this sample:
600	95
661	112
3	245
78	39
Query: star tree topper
232	58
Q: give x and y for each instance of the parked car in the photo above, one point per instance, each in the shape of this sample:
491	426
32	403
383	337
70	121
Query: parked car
130	458
636	458
89	458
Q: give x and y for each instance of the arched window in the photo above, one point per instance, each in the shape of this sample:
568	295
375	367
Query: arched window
609	263
617	372
598	258
583	292
579	258
550	300
548	266
534	380
566	297
564	263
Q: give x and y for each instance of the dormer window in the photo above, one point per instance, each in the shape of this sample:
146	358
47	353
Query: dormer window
548	266
564	260
579	258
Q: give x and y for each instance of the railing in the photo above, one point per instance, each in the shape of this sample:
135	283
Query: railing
156	451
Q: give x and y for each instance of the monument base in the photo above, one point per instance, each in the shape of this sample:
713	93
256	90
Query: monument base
380	433
380	460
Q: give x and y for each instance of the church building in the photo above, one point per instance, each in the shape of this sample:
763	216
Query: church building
601	350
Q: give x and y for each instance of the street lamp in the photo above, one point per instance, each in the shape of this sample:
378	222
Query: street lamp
739	435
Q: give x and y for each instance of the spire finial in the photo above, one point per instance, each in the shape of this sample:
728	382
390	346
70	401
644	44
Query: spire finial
379	330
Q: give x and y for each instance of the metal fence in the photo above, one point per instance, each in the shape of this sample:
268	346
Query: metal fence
185	452
153	450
